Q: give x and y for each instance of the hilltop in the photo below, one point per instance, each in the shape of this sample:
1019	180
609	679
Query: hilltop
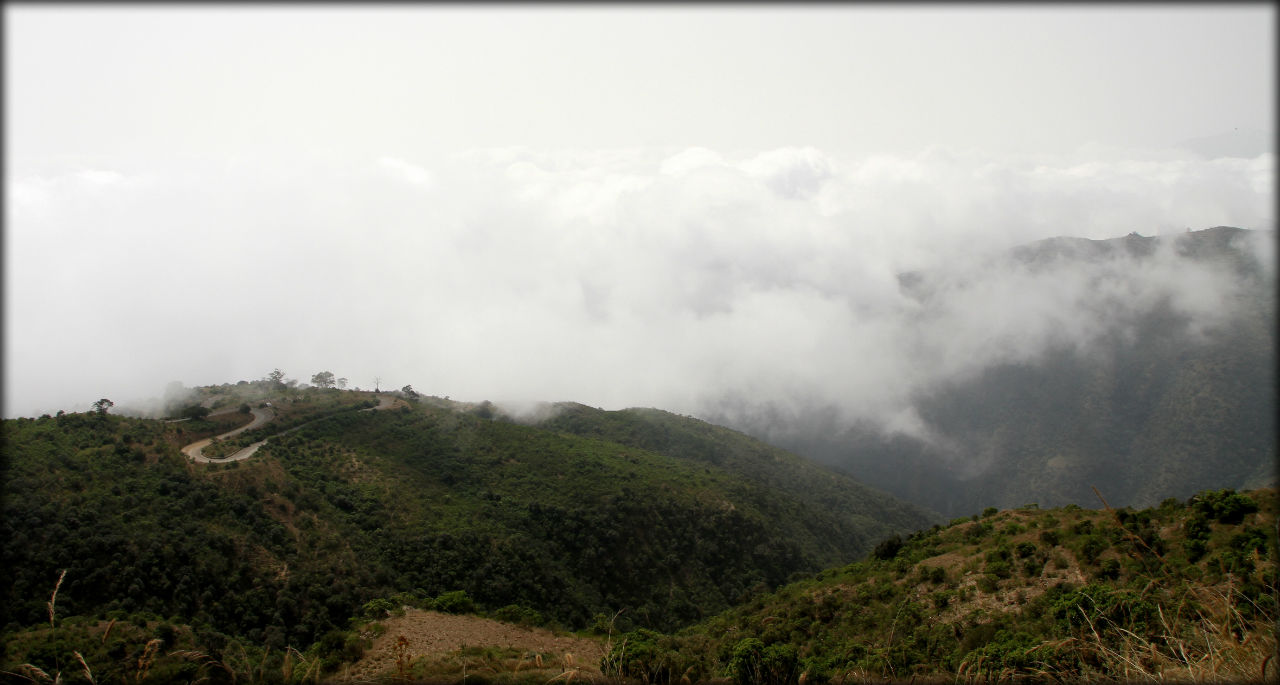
426	501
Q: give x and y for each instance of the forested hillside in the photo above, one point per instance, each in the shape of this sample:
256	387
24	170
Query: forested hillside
421	502
823	495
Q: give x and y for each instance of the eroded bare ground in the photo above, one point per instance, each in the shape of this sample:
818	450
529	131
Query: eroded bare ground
436	637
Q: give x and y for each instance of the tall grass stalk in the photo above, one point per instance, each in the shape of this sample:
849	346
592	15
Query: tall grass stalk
53	599
88	674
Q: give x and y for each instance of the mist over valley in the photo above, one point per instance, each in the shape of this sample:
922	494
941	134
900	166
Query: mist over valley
641	345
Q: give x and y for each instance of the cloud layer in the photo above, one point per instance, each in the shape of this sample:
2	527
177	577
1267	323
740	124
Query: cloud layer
668	278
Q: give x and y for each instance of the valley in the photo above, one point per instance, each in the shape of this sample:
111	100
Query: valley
1106	511
630	545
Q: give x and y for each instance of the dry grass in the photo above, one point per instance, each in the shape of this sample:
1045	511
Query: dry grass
88	673
53	599
1212	649
1216	648
35	674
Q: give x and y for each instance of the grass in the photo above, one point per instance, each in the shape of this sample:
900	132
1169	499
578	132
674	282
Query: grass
126	652
1136	611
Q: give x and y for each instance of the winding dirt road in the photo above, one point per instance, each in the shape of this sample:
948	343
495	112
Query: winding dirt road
195	451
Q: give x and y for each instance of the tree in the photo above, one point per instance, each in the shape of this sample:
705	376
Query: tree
324	379
342	382
408	390
376	382
276	378
196	412
102	405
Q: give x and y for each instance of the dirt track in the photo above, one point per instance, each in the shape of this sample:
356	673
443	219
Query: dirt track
195	451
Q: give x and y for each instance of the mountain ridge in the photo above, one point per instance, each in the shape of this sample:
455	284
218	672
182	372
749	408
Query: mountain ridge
1171	390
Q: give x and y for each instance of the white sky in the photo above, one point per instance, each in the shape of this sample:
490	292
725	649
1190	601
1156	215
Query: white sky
616	205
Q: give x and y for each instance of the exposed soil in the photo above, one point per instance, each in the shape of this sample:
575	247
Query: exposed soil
195	451
434	634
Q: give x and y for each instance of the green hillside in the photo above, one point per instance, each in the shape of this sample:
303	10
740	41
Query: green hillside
824	498
1186	591
426	503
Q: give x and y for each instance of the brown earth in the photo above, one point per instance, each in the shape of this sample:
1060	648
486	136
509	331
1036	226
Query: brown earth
434	636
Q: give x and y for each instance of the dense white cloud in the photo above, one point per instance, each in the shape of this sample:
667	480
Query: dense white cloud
406	171
660	277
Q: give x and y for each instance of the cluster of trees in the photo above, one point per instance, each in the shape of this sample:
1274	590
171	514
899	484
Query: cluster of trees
325	379
321	379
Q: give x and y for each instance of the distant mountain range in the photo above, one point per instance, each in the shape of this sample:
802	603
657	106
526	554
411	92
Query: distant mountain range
1156	405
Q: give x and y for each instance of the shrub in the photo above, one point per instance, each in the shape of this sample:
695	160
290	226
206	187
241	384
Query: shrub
999	569
935	574
942	598
1253	539
377	608
645	655
456	602
888	549
1000	553
1092	546
515	613
1195	549
753	663
336	647
1224	506
195	412
1009	650
976	531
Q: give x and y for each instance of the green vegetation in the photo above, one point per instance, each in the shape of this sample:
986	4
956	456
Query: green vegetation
260	566
705	547
962	602
821	497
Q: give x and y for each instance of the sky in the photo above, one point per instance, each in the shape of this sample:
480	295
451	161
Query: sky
623	205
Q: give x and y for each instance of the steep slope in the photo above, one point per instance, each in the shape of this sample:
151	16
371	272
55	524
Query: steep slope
341	507
830	500
581	525
1159	397
1185	591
